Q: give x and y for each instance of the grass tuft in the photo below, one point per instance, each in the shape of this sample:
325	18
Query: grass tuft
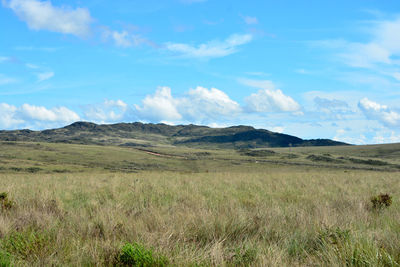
137	255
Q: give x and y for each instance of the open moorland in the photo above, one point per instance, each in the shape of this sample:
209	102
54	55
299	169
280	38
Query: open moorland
85	205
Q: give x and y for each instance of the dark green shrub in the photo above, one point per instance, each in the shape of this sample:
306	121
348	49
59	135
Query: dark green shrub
5	202
381	201
137	255
3	195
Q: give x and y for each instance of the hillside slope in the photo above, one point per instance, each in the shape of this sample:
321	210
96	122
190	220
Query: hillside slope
141	134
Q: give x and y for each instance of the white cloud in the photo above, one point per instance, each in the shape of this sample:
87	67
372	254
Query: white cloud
334	108
42	15
381	113
121	38
108	111
197	105
40	113
202	103
277	129
382	48
212	49
365	55
250	20
44	76
160	106
330	104
268	98
7	116
125	38
27	115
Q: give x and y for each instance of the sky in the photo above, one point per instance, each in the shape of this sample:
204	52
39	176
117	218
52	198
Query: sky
313	69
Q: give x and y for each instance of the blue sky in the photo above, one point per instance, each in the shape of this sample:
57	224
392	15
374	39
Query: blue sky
314	69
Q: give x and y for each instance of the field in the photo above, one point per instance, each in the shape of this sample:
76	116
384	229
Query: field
84	205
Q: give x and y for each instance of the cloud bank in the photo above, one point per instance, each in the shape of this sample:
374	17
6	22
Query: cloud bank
198	105
35	116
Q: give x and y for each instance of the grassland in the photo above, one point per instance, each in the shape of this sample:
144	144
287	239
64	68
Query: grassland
79	205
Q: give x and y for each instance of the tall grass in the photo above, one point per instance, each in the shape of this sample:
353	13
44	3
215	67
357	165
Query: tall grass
278	217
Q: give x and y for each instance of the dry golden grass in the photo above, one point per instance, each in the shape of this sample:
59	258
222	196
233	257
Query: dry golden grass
273	217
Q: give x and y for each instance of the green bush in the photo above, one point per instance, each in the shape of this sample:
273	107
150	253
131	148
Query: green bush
137	255
381	201
5	202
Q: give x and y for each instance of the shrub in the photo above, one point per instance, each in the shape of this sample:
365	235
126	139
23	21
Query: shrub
3	195
137	255
5	202
381	201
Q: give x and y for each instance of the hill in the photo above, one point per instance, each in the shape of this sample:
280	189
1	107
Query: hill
141	134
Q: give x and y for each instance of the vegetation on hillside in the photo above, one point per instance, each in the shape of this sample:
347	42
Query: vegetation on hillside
134	134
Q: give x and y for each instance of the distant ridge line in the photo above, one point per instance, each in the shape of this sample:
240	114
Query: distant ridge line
150	134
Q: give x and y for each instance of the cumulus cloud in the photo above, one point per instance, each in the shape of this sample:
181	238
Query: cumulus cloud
44	76
40	113
381	113
42	15
202	103
197	105
268	98
7	116
108	111
212	49
12	116
159	106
